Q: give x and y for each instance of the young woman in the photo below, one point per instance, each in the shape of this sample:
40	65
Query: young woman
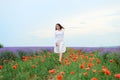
59	41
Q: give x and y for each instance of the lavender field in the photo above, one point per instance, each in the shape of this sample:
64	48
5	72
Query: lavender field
101	50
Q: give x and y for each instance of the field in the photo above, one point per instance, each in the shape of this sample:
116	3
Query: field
77	64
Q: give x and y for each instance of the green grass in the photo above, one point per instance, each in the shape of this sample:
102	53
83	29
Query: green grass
37	66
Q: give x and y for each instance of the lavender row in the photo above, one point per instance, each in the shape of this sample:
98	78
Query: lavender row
101	50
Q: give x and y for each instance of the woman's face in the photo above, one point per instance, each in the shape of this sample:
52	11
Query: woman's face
57	27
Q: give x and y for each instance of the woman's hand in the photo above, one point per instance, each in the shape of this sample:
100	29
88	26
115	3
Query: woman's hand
56	44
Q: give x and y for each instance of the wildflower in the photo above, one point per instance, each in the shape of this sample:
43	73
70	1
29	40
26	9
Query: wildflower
33	66
60	62
59	77
29	57
82	56
44	56
90	60
14	66
93	71
105	71
94	78
74	58
72	72
89	65
117	76
51	71
0	66
66	62
85	74
87	68
37	63
83	62
79	52
81	66
24	58
42	60
103	67
62	72
86	57
111	60
97	61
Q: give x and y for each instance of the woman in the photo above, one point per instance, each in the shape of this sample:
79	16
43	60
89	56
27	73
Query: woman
59	41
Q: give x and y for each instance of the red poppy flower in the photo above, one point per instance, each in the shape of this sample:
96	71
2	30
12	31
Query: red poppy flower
66	62
90	60
103	67
111	60
81	66
107	72
93	71
24	58
87	68
59	77
117	76
0	66
14	66
82	56
51	71
94	78
89	65
72	72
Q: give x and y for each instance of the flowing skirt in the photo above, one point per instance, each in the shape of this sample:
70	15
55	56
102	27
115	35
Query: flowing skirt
60	48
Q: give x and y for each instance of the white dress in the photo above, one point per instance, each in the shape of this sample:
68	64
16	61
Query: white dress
59	39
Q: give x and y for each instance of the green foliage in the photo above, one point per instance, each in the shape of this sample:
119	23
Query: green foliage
114	56
8	56
1	46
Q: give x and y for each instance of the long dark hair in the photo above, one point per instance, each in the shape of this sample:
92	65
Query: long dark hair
61	27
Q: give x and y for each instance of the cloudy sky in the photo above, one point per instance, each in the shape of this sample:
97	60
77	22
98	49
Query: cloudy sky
88	23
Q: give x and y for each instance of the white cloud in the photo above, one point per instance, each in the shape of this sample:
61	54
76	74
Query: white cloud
97	22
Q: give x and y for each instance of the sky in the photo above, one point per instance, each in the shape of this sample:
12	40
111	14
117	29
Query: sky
87	23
